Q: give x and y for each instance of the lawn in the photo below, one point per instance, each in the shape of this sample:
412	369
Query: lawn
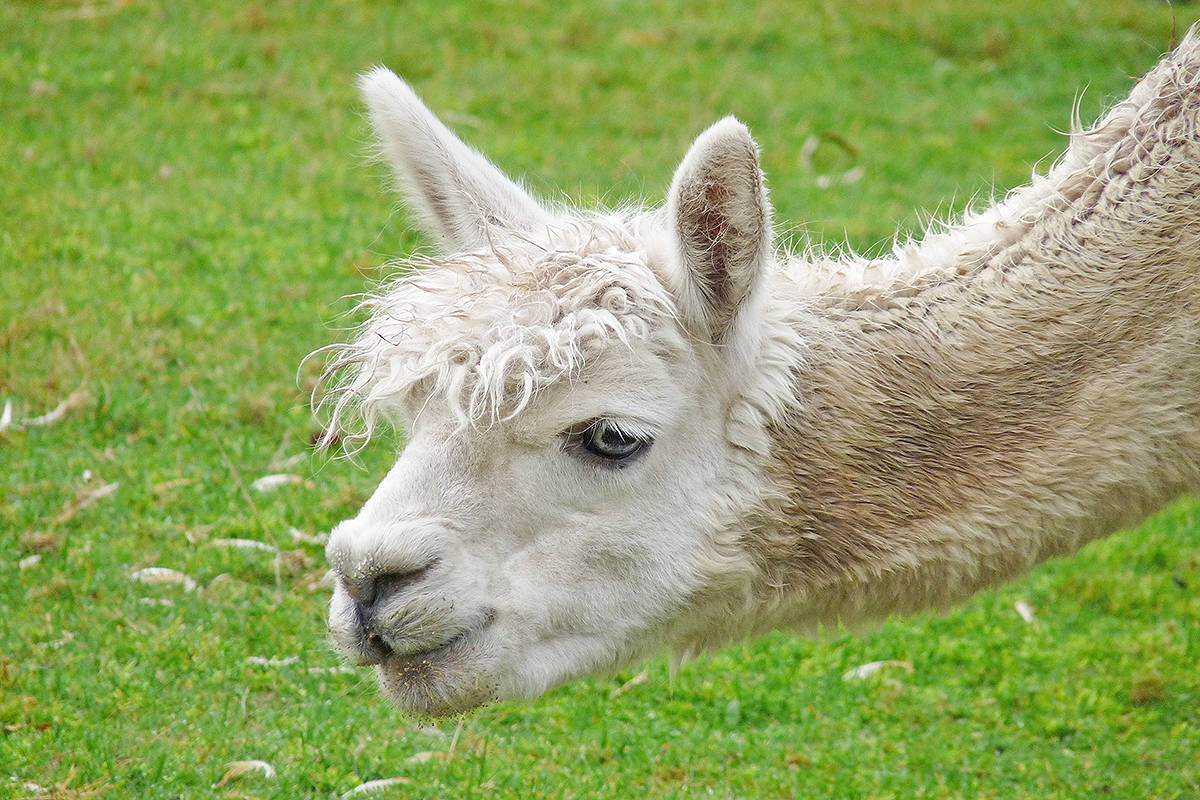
186	205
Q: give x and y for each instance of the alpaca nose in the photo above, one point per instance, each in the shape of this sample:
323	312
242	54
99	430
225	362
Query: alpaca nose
372	560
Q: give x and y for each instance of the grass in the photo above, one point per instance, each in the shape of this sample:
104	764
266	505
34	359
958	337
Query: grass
185	201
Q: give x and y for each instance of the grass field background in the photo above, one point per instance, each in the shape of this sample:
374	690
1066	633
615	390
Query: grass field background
185	200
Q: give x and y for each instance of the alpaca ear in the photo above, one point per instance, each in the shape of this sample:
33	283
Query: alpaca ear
722	221
456	193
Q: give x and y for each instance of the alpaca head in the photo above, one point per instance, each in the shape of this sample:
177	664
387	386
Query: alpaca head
572	388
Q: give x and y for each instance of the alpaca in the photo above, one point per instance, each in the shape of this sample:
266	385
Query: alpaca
648	429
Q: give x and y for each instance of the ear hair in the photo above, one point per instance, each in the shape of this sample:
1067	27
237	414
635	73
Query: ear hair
456	193
722	220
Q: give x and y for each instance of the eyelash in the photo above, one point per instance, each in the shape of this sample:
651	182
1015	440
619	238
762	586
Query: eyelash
586	441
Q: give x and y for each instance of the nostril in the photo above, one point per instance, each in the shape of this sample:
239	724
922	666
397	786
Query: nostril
366	591
362	592
389	583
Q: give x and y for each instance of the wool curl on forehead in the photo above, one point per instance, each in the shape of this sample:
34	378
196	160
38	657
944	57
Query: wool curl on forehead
484	332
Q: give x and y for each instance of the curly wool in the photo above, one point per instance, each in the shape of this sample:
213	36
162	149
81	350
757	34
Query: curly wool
484	332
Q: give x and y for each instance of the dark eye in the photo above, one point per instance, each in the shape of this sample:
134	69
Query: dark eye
606	442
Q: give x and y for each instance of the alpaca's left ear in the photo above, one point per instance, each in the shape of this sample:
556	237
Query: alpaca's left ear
458	195
722	221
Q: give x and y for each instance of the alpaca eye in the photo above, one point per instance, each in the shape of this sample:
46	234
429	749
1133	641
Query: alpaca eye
605	442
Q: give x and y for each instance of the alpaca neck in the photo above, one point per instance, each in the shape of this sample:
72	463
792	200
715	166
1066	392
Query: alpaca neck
999	394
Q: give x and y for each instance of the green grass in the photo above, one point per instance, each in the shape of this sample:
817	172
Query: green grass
184	201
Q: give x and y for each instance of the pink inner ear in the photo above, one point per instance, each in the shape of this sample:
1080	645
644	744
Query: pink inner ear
722	221
711	243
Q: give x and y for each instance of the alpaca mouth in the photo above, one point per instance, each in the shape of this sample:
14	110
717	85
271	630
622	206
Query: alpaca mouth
433	652
410	632
444	680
